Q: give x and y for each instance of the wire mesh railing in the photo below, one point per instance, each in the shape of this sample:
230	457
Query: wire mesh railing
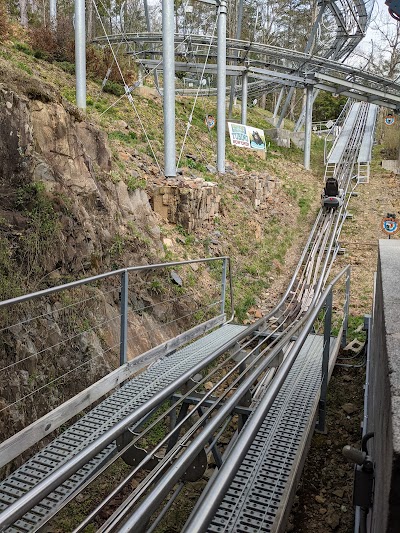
57	343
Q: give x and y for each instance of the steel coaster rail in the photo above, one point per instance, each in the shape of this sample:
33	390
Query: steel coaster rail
126	506
45	487
140	516
34	496
324	268
139	491
218	486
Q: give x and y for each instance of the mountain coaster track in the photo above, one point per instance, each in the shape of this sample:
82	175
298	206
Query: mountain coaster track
265	382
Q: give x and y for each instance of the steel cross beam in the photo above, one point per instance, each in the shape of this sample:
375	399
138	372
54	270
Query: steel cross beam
333	84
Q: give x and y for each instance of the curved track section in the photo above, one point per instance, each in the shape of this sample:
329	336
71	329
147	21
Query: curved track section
238	373
276	65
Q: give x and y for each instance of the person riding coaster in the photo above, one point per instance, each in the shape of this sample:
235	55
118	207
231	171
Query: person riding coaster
332	197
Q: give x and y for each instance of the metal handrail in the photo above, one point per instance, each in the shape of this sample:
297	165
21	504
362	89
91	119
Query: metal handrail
12	448
217	487
85	281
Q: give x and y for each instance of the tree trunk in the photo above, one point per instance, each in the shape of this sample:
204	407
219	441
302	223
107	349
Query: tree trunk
23	8
89	7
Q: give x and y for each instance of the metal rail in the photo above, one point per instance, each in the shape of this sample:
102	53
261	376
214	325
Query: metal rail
280	65
273	336
217	488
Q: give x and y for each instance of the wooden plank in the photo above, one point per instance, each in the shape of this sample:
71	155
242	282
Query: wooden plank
27	437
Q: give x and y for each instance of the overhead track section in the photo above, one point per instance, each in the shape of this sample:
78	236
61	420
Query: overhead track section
285	67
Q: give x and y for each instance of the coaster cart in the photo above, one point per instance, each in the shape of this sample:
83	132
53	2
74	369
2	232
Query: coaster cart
332	197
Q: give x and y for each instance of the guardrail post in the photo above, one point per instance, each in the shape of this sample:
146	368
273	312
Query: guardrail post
321	426
124	319
346	311
223	286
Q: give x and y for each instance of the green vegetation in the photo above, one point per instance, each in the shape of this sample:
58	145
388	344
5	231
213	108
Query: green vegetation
135	183
114	88
327	107
66	66
127	138
117	248
24	67
43	227
354	322
23	47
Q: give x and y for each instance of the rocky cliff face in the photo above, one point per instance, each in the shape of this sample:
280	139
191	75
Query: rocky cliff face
62	218
43	143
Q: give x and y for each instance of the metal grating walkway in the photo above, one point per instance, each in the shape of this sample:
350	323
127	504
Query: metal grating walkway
96	422
364	156
342	141
260	490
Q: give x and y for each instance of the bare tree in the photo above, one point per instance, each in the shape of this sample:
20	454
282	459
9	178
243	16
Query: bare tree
382	55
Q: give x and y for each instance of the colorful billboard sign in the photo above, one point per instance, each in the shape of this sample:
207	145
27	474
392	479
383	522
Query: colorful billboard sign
246	136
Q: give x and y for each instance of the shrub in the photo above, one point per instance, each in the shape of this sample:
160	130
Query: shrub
113	87
43	43
23	47
4	23
66	66
53	46
135	183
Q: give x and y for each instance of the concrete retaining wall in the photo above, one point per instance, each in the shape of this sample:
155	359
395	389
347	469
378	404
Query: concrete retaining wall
393	165
384	397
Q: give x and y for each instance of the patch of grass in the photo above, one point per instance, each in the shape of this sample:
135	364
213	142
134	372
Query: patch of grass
305	206
355	322
69	94
127	138
135	183
157	287
24	67
197	165
10	286
114	88
66	66
117	248
23	47
44	226
245	301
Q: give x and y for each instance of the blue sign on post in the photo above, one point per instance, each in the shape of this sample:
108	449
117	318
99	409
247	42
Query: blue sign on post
389	120
390	225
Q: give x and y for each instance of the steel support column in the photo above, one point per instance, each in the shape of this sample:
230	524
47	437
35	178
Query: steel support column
346	312
124	318
278	103
308	127
245	79
169	87
148	26
221	86
285	107
80	53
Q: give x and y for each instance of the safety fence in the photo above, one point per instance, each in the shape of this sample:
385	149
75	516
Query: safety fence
63	348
